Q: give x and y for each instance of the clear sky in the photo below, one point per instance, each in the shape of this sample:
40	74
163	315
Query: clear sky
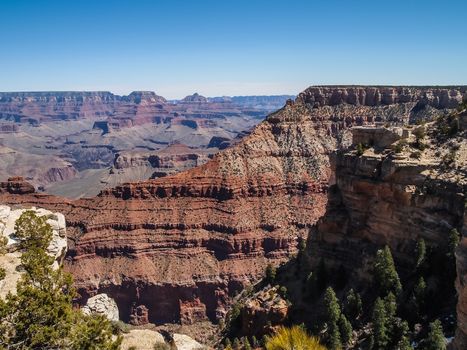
229	47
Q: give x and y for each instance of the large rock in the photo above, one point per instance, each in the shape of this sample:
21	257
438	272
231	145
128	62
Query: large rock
184	342
141	339
102	304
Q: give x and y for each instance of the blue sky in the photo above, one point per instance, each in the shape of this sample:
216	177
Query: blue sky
229	47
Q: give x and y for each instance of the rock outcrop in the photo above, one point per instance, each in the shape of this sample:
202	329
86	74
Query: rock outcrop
141	339
102	304
183	245
263	312
11	261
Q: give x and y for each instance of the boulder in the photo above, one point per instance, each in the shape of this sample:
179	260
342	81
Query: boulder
102	304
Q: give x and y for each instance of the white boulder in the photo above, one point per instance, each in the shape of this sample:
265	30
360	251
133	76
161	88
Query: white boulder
102	304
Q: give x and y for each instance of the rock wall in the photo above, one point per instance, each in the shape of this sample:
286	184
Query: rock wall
382	198
181	246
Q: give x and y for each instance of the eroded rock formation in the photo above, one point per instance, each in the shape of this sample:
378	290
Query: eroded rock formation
186	243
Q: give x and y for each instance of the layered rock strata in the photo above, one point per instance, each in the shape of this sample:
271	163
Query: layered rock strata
181	246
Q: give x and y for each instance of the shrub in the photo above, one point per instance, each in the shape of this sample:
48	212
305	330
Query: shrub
399	146
416	155
270	273
294	338
360	149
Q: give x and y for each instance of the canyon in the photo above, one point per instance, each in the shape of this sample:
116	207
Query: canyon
177	248
70	143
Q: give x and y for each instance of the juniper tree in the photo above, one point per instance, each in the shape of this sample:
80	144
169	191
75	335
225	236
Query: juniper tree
40	315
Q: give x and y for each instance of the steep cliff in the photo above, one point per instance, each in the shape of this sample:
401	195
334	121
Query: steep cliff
184	244
395	193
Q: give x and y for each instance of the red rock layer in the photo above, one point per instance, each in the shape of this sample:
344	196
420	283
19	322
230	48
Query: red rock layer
180	246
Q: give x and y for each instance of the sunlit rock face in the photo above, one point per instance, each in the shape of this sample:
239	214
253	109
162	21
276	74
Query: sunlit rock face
11	260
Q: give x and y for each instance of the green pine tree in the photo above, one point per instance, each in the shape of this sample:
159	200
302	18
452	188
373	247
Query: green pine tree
404	341
331	317
385	273
435	339
453	242
379	320
345	329
420	251
353	305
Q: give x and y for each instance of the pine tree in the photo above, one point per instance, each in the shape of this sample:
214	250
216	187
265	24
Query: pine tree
332	311
404	341
345	329
385	274
379	319
435	339
353	305
420	251
40	315
331	317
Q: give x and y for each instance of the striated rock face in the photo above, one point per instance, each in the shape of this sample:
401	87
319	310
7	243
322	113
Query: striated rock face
437	97
182	245
102	304
11	261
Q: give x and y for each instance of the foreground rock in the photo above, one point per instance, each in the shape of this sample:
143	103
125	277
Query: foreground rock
141	339
11	261
102	304
181	246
